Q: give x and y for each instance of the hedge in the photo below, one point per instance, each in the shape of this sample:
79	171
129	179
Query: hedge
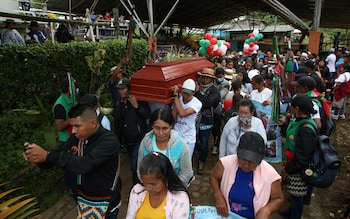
38	69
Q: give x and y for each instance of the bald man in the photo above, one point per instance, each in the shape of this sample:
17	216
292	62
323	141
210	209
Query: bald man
93	157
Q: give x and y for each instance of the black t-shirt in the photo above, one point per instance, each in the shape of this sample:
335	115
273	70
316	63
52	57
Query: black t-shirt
59	112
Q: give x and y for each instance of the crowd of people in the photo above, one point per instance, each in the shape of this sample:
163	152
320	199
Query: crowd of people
160	142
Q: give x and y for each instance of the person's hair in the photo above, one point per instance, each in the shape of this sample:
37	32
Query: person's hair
220	59
162	114
159	165
236	85
236	99
219	71
249	103
245	76
258	79
82	110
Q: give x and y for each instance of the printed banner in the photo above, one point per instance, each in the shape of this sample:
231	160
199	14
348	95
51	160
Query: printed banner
273	149
209	212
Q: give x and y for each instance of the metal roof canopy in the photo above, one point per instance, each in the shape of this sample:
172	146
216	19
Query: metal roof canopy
205	13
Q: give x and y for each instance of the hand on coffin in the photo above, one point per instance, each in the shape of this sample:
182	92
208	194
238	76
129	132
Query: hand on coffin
175	89
133	101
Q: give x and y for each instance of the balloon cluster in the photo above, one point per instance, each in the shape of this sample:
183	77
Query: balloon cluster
213	47
251	44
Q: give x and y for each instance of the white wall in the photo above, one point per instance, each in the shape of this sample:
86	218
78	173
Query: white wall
9	6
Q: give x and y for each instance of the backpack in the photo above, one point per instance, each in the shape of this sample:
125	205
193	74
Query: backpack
324	166
328	125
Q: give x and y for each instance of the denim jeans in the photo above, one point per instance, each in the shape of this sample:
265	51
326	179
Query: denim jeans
297	207
133	151
203	136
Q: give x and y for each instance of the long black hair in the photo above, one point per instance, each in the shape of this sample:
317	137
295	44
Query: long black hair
162	114
159	165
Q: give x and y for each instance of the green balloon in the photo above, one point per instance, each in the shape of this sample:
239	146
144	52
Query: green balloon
203	51
219	43
201	42
252	39
261	36
206	43
246	41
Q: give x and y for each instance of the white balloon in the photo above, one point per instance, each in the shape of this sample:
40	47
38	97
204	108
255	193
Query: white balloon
223	49
246	46
215	47
256	32
256	47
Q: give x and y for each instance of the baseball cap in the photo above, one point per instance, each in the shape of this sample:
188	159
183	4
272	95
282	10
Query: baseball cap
251	147
123	83
310	64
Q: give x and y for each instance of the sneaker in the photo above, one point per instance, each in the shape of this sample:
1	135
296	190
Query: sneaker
342	116
215	151
335	117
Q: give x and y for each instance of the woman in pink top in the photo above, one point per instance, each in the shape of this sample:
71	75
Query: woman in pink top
244	183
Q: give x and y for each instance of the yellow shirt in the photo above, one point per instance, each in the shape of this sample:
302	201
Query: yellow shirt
146	211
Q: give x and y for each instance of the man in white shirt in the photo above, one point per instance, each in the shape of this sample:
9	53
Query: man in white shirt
330	60
10	35
185	109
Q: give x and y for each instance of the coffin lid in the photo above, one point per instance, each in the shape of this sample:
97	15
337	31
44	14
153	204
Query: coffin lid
154	82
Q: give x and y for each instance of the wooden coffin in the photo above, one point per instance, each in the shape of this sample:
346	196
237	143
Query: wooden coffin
154	82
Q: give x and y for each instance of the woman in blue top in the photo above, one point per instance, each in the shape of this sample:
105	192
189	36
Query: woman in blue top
163	139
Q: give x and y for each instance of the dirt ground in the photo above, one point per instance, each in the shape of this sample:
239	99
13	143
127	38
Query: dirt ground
326	203
333	201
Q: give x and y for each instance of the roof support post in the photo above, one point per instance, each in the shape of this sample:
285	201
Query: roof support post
286	14
167	17
150	15
136	17
317	14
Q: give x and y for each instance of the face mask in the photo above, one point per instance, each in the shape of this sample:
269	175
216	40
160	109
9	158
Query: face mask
247	121
219	80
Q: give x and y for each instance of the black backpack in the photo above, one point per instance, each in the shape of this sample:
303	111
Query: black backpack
328	125
324	166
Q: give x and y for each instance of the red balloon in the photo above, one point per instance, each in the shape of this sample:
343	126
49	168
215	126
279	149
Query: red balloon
213	41
210	48
250	35
208	36
228	45
246	52
256	42
251	49
251	44
227	104
210	53
218	52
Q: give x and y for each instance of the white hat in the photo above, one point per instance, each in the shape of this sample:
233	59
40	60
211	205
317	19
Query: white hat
304	54
189	86
240	53
332	50
229	73
253	73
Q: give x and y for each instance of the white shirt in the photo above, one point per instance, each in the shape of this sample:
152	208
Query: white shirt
265	94
186	126
342	78
331	58
231	134
317	108
105	121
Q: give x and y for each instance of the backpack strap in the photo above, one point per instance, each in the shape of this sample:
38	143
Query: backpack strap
100	117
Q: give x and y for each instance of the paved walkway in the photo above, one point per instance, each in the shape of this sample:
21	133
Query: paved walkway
199	190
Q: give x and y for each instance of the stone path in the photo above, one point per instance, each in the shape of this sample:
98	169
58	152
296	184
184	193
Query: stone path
199	191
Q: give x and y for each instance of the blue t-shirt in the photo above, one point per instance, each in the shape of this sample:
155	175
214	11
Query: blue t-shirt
241	194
